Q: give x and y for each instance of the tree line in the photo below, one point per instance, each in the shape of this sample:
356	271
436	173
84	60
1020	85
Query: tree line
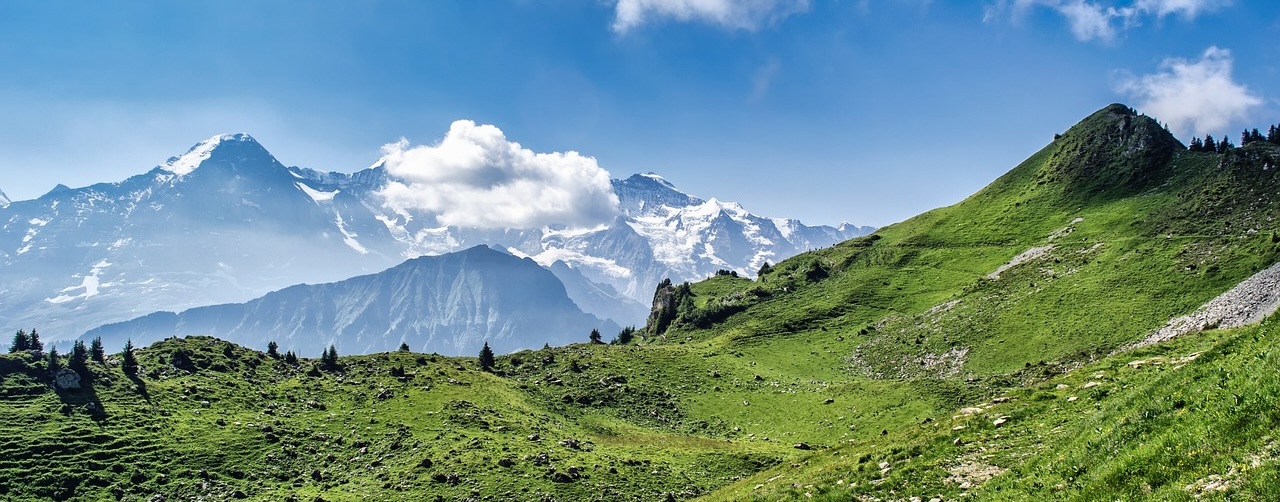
1210	145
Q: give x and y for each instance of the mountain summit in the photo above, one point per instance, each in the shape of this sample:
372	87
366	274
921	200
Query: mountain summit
223	148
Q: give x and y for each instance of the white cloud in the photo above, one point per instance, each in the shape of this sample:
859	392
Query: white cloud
1088	21
1102	20
476	178
739	14
1193	96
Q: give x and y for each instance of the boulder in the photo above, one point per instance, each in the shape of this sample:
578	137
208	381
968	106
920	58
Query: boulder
66	379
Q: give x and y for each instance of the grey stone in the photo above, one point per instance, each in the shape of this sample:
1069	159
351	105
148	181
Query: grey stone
66	379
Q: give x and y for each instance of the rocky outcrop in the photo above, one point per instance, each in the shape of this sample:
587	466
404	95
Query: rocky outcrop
66	379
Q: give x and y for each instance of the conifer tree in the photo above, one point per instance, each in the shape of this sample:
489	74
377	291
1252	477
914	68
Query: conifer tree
1196	145
79	359
54	365
35	343
595	336
273	350
486	357
404	347
20	342
128	360
1209	144
96	351
291	358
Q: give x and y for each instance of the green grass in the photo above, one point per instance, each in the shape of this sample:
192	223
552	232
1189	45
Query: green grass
861	354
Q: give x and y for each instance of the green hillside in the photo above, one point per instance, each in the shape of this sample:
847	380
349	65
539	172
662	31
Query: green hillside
875	368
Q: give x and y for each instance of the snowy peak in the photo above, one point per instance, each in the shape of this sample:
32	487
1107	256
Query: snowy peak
648	193
230	147
4	199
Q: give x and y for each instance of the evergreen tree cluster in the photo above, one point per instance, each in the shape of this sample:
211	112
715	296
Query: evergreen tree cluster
625	336
22	341
1210	145
96	352
329	358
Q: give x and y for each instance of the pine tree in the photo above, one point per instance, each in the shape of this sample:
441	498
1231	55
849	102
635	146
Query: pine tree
1197	145
35	343
20	342
595	336
486	357
1225	145
273	350
1273	135
79	360
404	347
128	360
54	365
96	351
291	358
1209	144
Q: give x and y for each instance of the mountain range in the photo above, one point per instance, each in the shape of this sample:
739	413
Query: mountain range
226	222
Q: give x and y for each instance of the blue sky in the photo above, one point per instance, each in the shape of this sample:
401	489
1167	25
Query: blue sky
861	111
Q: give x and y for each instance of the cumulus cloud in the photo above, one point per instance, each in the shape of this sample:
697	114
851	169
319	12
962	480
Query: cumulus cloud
738	14
475	177
1192	96
1102	20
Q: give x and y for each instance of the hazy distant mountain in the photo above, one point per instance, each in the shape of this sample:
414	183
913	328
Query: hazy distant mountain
451	304
226	222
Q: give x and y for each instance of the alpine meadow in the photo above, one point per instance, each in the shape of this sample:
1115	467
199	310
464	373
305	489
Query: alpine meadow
1023	343
640	250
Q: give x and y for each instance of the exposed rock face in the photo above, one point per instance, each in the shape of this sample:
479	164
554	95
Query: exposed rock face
663	310
66	379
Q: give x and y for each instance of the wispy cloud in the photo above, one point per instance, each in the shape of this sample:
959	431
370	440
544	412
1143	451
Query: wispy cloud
763	80
1193	96
1102	20
735	14
475	177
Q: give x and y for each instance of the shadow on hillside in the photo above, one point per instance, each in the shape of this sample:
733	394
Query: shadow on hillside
85	398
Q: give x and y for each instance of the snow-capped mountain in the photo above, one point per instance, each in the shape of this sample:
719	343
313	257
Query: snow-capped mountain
4	199
226	222
451	303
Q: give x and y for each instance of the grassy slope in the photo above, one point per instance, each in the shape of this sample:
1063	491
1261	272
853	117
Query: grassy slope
895	331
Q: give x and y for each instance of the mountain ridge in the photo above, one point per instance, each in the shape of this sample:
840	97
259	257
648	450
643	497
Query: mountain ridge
451	304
